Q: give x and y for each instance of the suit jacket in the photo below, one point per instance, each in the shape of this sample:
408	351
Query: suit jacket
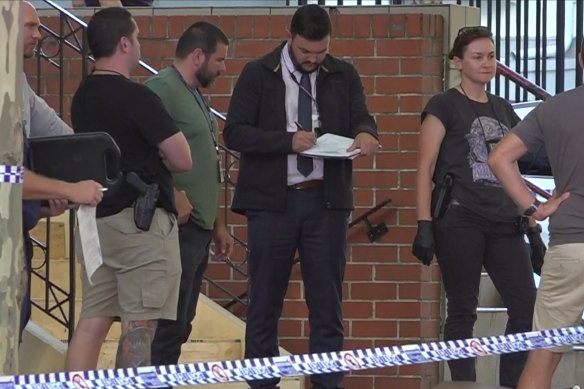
256	127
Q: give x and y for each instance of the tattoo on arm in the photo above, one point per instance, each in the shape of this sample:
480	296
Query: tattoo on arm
135	343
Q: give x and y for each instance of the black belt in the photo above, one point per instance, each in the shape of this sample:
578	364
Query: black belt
307	184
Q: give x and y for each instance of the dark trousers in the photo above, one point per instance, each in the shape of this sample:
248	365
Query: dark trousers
320	235
194	255
465	242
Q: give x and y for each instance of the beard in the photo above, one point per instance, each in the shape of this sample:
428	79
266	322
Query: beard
205	77
298	66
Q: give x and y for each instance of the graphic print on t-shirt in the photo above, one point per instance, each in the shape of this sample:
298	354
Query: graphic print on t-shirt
485	133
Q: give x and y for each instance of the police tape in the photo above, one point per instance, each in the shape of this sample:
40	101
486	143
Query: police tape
295	365
11	174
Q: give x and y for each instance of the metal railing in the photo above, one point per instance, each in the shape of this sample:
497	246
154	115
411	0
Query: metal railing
539	39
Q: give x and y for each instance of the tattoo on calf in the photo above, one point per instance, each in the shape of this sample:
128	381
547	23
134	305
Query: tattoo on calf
135	343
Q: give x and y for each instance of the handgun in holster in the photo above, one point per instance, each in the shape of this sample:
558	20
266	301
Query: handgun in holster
145	204
441	197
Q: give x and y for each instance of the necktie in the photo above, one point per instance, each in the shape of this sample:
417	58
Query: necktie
305	119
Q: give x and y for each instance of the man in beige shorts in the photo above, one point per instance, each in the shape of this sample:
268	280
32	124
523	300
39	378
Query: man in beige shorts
138	281
556	124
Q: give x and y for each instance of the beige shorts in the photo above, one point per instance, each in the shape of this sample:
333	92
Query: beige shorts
140	275
560	296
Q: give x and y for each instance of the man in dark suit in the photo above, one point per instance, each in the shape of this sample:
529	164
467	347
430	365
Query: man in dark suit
281	101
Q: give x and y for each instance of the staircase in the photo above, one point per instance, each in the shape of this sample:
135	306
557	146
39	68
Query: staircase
217	335
492	319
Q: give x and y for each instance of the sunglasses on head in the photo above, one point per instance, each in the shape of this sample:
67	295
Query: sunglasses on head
473	30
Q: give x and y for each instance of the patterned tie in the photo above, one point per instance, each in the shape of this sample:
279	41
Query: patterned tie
305	119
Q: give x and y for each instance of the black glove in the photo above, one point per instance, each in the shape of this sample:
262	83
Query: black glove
423	247
537	247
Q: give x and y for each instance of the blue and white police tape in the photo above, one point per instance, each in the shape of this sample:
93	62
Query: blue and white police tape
295	365
11	174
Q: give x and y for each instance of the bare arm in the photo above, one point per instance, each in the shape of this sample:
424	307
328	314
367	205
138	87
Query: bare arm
39	187
503	162
176	153
431	135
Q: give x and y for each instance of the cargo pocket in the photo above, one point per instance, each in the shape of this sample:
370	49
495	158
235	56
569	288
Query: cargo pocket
154	288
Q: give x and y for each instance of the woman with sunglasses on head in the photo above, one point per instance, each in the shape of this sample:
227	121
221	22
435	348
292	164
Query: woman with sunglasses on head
466	218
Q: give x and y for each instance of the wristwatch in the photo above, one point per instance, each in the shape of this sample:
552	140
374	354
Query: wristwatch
532	208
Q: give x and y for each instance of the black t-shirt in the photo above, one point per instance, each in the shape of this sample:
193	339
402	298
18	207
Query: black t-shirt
472	129
137	120
125	3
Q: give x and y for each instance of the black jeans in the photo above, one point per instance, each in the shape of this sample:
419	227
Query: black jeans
465	242
320	235
194	255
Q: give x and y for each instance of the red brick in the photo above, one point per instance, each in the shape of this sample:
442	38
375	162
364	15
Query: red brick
400	84
412	65
363	197
294	309
177	24
379	104
399	309
395	272
388	142
278	26
143	23
158	27
413	104
375	179
407	217
374	253
373	291
374	328
397	26
397	160
362	26
244	27
377	66
222	85
236	288
261	27
368	85
352	48
400	47
414	25
290	327
342	26
402	123
408	141
253	49
358	272
358	309
218	271
380	26
353	381
227	24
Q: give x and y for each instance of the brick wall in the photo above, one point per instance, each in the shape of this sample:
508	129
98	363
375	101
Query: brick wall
389	298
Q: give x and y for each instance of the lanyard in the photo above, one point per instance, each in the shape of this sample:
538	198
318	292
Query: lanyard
208	115
489	144
204	108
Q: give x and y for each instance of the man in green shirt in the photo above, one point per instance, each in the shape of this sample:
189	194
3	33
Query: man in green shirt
200	59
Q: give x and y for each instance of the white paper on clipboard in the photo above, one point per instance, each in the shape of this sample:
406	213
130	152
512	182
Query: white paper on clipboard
87	225
332	146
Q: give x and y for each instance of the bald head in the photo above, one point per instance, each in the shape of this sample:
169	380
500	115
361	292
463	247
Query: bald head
30	31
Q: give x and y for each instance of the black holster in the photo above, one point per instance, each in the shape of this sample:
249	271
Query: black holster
441	197
146	202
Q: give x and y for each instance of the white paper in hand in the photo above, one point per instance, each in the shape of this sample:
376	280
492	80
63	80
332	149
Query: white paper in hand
89	239
332	146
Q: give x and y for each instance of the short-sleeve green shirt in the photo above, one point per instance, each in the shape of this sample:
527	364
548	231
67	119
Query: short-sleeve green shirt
190	113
